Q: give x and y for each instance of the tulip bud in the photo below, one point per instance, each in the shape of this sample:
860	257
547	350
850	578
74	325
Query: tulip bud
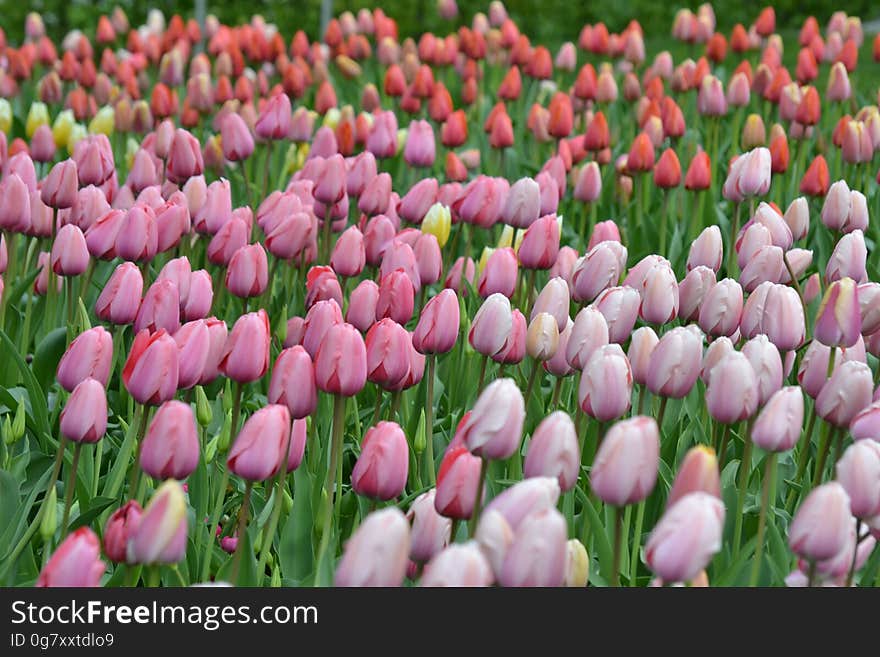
120	527
494	428
605	388
821	524
75	563
160	536
839	321
377	552
554	451
846	393
686	538
84	418
49	521
261	444
170	449
674	364
382	467
204	412
732	394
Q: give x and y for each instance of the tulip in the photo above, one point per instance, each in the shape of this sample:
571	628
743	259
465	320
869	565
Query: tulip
381	469
858	471
686	538
185	158
605	388
200	297
625	468
361	311
846	393
84	417
388	361
160	536
430	531
458	566
523	204
838	322
437	329
238	143
848	258
620	307
89	356
598	270
731	394
537	554
542	337
261	445
170	449
706	250
377	552
341	361
399	255
120	527
60	187
138	236
491	325
659	295
245	355
674	363
692	292
699	173
494	428
698	472
837	206
820	525
458	481
293	382
777	312
767	364
76	562
865	423
778	426
420	149
160	308
524	499
396	297
554	451
275	121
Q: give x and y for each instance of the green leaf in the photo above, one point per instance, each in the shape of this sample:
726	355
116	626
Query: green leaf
96	507
35	393
47	355
120	465
295	549
10	497
601	546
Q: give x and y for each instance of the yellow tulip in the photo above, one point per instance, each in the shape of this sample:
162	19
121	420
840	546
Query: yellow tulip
131	149
401	138
484	258
38	115
331	118
506	238
104	122
5	115
520	233
438	222
77	132
577	563
62	127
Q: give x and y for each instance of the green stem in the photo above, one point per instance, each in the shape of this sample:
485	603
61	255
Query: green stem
637	546
744	468
618	543
803	457
824	448
68	495
242	528
852	565
215	520
734	230
429	419
335	455
153	577
766	501
273	522
482	373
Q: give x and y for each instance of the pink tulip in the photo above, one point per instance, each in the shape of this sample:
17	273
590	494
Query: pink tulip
138	237
200	297
462	565
554	451
185	158
540	244
706	250
246	352
388	360
293	382
76	562
120	527
420	149
778	425
88	356
523	204
382	140
858	471
399	255
674	363
84	417
776	311
692	291
500	274
259	449
430	531
866	423
60	186
686	538
820	525
193	341
160	308
598	270
514	349
276	120
620	307
625	468
377	552
588	334
361	311
846	393
94	160
588	187
229	238
494	535
341	361
170	449
536	557
236	138
732	391
767	364
349	256
659	295
523	499
605	388
375	195
721	310
554	300
381	469
457	481
494	429
848	258
437	329
361	170
492	325
248	272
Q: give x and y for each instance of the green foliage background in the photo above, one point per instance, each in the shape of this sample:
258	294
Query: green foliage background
549	21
